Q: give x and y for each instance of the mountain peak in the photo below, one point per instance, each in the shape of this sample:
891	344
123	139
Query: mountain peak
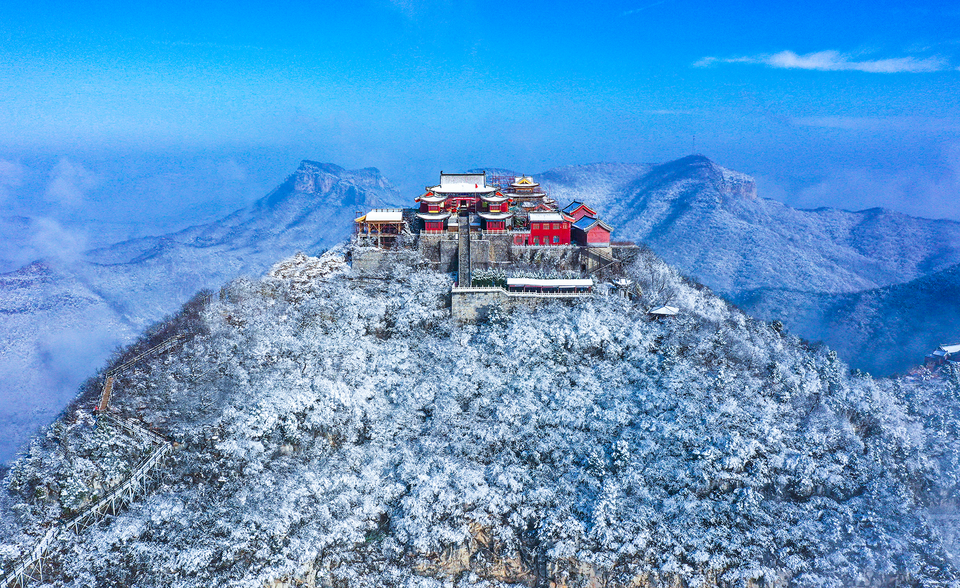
307	166
316	178
715	183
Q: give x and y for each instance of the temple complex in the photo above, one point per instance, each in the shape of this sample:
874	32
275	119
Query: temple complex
461	191
471	227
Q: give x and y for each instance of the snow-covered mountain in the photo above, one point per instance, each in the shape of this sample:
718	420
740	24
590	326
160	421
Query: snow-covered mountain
887	329
828	274
60	320
710	223
331	430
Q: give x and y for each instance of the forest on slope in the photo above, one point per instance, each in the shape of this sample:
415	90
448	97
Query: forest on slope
342	428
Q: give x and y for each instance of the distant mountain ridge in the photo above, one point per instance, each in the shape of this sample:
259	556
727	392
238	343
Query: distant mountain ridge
59	321
887	329
709	222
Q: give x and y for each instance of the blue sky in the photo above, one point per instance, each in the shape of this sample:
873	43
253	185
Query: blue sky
170	112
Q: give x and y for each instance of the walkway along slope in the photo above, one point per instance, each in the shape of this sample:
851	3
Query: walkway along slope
139	482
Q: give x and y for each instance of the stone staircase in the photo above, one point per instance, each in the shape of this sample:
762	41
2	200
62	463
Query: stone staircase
464	279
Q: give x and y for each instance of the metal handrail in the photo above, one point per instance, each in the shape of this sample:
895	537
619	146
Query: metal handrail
134	484
469	289
17	576
159	347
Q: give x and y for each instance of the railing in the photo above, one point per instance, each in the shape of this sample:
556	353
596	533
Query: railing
164	345
134	429
30	566
464	289
604	261
548	294
481	289
123	494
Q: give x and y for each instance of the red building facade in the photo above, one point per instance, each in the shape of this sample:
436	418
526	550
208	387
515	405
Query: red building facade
591	232
549	228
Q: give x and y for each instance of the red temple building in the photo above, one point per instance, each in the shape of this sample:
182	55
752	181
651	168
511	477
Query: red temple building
468	193
522	210
578	210
526	193
549	228
433	212
462	191
591	232
494	212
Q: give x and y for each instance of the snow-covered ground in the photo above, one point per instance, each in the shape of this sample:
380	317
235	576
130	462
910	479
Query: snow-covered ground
348	430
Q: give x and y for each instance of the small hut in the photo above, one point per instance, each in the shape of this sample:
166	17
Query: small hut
663	312
381	226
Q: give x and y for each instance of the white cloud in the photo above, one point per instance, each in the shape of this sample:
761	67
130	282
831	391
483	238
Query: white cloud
834	61
54	242
668	112
929	191
881	124
69	183
642	8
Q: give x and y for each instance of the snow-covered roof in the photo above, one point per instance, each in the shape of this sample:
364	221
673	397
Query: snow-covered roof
468	178
430	197
497	197
382	215
951	348
586	223
549	283
570	208
524	182
665	311
464	189
433	217
495	215
547	217
462	184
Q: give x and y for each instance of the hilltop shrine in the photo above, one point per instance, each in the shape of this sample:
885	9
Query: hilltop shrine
468	225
